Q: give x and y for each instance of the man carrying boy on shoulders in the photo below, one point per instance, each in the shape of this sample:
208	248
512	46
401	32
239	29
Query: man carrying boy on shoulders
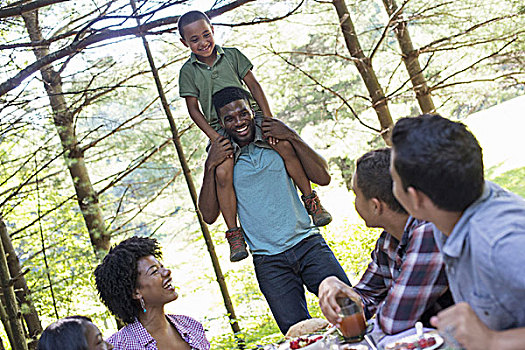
437	172
288	251
406	281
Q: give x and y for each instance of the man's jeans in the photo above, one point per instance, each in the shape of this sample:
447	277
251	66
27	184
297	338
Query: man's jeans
281	278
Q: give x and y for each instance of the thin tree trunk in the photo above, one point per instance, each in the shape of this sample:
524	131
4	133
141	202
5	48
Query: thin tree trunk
5	322
193	193
18	341
410	58
347	167
86	196
22	292
364	66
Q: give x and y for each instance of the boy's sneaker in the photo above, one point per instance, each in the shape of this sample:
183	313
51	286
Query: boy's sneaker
314	208
237	245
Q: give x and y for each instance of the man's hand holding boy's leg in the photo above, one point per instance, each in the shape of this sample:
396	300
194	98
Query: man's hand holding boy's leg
276	129
220	150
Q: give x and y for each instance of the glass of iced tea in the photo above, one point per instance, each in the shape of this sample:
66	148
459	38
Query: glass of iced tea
353	324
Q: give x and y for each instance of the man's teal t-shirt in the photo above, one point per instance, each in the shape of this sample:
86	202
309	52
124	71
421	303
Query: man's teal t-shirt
270	211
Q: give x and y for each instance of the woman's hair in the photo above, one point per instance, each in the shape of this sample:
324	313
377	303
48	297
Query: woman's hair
116	276
68	333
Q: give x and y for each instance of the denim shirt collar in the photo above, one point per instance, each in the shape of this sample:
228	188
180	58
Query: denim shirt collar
453	244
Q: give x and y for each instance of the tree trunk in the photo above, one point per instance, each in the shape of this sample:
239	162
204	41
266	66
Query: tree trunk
5	322
364	66
18	340
410	58
22	292
347	167
86	196
193	192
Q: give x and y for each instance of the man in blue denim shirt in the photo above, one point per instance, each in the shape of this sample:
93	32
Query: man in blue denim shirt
288	251
437	172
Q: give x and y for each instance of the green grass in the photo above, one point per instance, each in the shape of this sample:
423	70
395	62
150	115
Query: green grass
513	180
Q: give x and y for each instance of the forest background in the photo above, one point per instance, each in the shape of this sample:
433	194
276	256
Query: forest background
92	133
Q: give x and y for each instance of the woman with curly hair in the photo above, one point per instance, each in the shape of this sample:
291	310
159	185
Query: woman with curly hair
72	333
135	286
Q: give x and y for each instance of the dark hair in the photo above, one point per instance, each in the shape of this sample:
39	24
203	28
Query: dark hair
68	333
228	95
116	276
440	158
190	17
374	179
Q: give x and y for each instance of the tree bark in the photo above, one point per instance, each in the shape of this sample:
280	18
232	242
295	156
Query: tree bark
22	292
5	322
17	10
410	58
18	341
364	66
63	119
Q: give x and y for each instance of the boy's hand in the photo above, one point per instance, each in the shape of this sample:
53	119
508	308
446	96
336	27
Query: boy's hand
220	150
276	129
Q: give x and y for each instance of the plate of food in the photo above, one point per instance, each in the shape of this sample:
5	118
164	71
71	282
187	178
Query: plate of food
429	341
306	342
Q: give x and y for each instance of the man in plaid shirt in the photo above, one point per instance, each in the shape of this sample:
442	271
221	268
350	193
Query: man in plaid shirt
406	281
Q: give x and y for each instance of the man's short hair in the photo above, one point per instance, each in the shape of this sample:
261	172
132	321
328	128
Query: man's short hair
440	158
228	95
190	17
374	179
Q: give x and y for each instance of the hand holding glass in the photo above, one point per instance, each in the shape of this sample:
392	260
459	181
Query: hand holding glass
353	324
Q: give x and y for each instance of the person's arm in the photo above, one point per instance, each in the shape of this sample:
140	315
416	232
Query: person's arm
220	149
196	115
315	166
421	282
257	93
462	323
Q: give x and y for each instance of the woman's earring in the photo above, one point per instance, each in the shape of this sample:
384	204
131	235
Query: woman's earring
142	304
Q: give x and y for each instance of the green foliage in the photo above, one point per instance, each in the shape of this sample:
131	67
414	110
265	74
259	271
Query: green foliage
512	180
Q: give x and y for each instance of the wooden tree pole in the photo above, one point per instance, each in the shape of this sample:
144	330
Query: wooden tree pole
193	192
63	119
18	341
22	291
364	66
5	322
410	57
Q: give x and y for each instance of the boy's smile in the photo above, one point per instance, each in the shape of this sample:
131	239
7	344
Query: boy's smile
198	36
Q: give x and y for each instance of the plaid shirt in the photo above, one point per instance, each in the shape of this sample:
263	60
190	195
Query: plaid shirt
135	337
406	281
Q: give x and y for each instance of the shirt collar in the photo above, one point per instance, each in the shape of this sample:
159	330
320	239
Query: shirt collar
141	334
453	244
407	232
220	52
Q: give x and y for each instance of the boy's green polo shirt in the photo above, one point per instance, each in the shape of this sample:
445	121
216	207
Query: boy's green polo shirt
199	80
